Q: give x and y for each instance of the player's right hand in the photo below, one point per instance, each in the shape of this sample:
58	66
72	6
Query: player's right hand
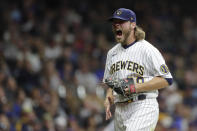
108	103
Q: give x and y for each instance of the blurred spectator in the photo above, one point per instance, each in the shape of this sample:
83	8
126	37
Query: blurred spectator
85	77
51	75
4	123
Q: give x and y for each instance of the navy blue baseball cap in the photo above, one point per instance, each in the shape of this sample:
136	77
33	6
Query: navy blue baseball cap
124	14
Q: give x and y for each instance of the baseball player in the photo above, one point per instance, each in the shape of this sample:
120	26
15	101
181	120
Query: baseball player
134	72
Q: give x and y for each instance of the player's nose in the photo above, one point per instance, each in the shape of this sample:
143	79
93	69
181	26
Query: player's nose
116	25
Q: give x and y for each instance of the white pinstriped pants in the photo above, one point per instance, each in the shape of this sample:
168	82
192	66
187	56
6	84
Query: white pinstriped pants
136	116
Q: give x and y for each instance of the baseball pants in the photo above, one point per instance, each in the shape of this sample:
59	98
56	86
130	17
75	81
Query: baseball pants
136	116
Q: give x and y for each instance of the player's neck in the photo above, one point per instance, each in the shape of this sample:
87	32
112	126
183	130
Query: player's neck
130	40
127	46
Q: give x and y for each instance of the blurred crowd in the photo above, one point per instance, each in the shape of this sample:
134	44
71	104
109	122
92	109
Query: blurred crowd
52	59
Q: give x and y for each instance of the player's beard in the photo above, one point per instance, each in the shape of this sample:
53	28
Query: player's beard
125	36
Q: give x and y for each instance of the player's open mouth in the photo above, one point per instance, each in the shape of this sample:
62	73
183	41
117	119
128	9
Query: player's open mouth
118	33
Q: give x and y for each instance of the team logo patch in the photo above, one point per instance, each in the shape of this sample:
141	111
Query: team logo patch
164	69
119	12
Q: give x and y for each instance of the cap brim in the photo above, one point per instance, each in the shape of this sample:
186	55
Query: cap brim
116	17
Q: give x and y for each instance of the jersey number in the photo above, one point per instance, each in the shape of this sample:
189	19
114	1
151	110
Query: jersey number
140	80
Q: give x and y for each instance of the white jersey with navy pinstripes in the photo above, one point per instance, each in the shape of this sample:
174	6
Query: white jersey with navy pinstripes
141	60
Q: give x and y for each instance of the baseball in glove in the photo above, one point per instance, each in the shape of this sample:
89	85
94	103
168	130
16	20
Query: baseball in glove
119	85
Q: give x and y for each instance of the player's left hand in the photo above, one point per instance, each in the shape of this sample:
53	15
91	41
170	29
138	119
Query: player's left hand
130	90
124	87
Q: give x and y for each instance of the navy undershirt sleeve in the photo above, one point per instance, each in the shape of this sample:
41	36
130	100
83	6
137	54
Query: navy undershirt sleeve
169	80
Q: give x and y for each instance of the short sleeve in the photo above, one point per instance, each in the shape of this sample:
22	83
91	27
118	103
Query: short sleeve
157	64
107	68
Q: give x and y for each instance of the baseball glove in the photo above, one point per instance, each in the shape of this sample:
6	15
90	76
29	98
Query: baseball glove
119	85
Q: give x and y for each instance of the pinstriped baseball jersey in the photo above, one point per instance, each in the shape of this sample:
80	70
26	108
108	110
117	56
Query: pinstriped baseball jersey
141	60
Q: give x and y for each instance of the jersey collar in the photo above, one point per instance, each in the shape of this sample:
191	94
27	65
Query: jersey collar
127	46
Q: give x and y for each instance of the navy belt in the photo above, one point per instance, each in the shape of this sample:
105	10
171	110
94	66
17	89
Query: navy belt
139	97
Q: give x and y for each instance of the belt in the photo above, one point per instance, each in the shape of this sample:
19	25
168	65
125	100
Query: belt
139	97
